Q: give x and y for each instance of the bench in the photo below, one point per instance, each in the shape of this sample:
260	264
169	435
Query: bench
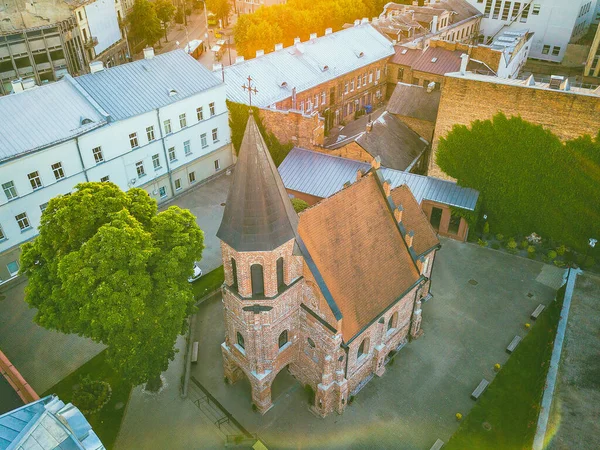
479	390
195	352
537	312
513	344
438	444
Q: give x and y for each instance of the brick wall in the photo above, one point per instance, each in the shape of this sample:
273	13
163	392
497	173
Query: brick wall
301	130
351	151
463	101
310	199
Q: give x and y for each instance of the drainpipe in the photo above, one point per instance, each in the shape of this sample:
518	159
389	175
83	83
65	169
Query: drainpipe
162	139
81	159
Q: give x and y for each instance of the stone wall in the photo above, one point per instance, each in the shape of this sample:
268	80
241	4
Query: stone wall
301	130
463	101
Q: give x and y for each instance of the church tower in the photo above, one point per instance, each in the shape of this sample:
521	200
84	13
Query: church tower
263	271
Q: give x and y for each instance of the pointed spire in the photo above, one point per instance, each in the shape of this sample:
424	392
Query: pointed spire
258	215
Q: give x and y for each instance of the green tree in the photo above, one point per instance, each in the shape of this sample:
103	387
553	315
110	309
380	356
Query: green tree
144	24
165	12
299	204
221	8
529	180
108	267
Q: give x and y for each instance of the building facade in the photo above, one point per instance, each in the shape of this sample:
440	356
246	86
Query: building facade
555	23
249	6
295	295
170	134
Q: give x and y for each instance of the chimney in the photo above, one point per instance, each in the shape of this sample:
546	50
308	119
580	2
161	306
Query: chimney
278	47
463	64
17	85
98	66
313	36
387	187
239	59
409	238
148	52
359	174
376	163
328	31
365	20
431	87
296	40
347	184
434	24
356	22
398	213
369	126
260	53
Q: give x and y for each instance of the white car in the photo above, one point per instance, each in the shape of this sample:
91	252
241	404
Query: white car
197	273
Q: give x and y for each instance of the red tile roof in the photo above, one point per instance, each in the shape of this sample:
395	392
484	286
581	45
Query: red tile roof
405	56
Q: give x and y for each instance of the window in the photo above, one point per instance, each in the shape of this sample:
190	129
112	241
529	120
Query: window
302	106
400	73
370	76
182	120
192	177
23	221
352	85
178	184
316	100
10	190
13	268
215	135
187	150
98	157
199	114
488	8
280	281
363	348
497	9
58	171
139	167
515	10
240	340
505	10
162	191
555	51
167	126
256	275
308	105
536	10
323	98
34	179
358	82
525	13
150	133
234	272
217	164
364	79
172	156
283	338
454	224
203	140
156	161
104	179
43	207
2	235
133	140
80	16
378	74
392	322
211	107
546	50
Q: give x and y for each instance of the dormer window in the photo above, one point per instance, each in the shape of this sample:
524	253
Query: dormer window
404	51
360	55
172	92
85	121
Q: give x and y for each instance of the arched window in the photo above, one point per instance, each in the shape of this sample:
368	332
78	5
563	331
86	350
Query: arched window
240	340
283	338
258	283
234	273
363	348
280	282
392	321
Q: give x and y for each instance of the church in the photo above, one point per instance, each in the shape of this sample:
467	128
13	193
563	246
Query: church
330	294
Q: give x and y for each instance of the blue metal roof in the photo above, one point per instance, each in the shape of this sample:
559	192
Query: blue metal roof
323	175
141	86
303	66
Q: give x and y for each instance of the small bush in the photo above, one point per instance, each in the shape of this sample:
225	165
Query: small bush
482	243
500	237
299	204
524	244
254	407
559	263
495	246
561	250
551	255
351	400
531	252
458	416
91	395
486	228
511	246
226	380
588	262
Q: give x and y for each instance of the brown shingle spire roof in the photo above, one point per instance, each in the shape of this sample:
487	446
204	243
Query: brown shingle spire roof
258	214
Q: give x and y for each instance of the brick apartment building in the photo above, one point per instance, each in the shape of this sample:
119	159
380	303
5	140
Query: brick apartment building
332	308
335	75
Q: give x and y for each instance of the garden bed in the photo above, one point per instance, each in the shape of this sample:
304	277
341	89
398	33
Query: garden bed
107	421
208	283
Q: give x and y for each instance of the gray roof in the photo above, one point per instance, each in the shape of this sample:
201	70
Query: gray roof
414	101
44	116
258	215
323	175
395	143
141	86
47	424
303	66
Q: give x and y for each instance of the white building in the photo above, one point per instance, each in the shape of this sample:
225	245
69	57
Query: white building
515	47
555	23
160	123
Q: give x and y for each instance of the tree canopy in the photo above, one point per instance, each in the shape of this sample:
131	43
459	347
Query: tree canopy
108	267
297	18
165	12
529	180
221	8
144	24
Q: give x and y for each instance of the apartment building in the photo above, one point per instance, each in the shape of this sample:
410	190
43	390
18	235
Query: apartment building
555	23
160	124
249	6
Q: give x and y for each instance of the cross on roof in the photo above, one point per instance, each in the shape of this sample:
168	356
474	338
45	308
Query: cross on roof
251	89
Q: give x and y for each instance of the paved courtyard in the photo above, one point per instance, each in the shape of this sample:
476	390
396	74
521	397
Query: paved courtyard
481	300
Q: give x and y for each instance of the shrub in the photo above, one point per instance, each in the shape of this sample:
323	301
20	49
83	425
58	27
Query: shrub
561	250
351	400
495	246
497	367
511	246
254	407
559	263
90	396
482	243
524	244
299	204
486	228
500	237
588	262
458	416
551	255
531	252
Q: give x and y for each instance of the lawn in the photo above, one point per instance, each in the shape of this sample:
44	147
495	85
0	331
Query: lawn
107	422
510	406
208	283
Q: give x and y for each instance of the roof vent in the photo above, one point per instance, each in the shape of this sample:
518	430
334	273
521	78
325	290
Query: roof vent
328	31
296	40
325	68
555	81
85	121
360	54
172	92
278	47
260	53
148	52
356	22
239	59
313	36
283	84
431	87
404	51
434	59
96	66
